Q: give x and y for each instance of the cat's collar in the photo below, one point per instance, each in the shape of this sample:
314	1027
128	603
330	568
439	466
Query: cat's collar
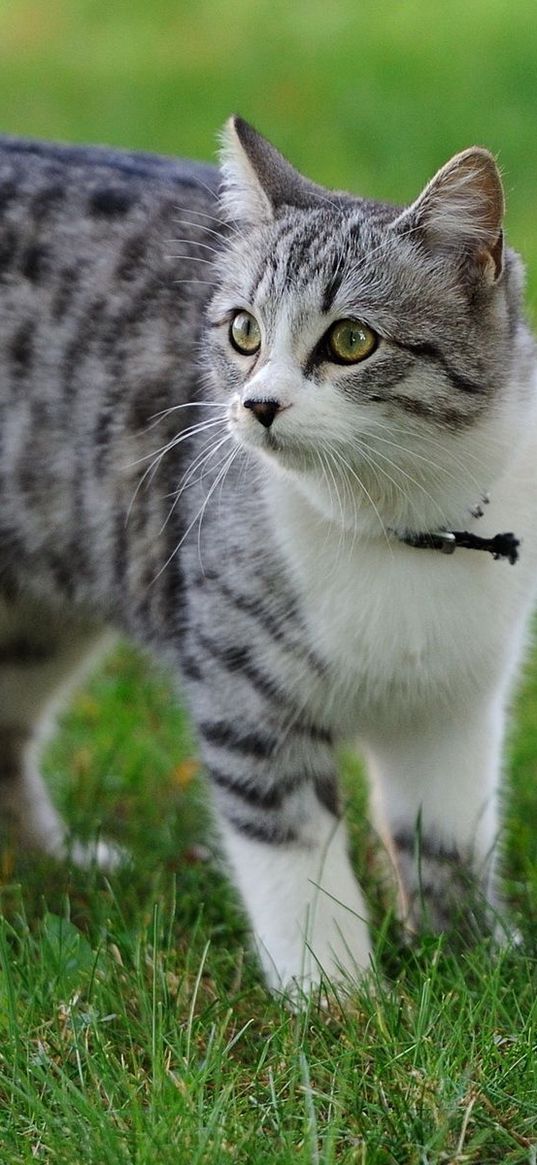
500	546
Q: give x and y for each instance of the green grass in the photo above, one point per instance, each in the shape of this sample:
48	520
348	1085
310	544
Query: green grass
134	1027
133	1024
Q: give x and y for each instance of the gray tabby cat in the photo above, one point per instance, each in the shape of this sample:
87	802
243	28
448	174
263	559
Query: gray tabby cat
237	424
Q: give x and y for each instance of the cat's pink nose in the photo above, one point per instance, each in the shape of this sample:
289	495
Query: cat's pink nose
264	410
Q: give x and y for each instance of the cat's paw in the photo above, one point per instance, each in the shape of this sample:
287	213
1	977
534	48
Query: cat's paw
328	966
104	855
50	837
505	934
463	913
323	993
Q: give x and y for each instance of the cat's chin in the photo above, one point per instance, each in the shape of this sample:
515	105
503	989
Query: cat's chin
299	464
280	453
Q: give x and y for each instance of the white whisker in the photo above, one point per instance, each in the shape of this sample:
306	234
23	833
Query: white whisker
188	478
176	440
192	259
209	230
202	282
198	516
420	436
157	458
434	465
194	243
193	404
367	494
222	478
226	225
409	478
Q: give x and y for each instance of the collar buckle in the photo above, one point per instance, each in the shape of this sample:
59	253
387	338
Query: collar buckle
445	541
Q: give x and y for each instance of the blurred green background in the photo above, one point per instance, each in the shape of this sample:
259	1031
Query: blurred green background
371	95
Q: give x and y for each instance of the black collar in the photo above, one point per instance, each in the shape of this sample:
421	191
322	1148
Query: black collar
500	546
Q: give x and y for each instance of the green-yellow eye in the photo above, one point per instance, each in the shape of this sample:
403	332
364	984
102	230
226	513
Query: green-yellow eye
245	334
349	341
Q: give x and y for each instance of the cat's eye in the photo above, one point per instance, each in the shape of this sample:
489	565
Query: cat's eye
349	341
245	333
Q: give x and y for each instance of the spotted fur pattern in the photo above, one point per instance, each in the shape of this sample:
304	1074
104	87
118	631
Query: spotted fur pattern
263	561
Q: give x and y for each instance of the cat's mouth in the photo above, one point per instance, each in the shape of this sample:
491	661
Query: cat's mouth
271	441
285	450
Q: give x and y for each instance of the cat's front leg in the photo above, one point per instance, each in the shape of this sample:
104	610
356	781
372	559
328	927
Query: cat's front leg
304	903
287	848
435	785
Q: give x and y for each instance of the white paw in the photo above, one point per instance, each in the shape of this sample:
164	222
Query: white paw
307	910
505	934
331	948
105	855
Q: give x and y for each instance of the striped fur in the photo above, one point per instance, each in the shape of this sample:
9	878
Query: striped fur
261	561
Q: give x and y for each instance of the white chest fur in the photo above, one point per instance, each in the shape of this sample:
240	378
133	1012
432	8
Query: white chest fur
404	627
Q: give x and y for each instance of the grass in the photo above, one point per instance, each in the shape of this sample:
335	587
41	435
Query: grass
133	1024
137	1056
134	1027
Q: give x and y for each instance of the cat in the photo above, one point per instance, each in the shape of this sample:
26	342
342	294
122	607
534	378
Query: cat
241	417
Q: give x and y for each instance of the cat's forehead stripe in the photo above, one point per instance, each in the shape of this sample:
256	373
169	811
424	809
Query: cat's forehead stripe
295	259
316	252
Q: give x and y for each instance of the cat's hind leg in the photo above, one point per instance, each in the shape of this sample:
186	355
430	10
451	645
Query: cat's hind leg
41	655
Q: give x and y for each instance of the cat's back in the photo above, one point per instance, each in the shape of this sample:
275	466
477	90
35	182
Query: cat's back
87	231
40	179
103	277
103	274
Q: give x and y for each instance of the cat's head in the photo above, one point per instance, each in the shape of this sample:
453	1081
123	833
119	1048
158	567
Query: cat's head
375	354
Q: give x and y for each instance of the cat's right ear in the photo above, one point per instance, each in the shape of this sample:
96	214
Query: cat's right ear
461	211
256	178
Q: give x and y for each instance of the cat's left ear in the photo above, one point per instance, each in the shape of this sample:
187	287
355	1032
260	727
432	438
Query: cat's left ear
256	178
461	210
